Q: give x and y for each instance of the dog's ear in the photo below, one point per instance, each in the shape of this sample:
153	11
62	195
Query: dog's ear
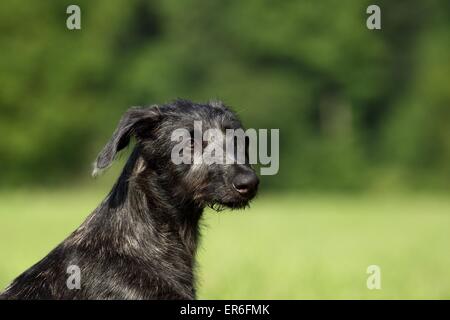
135	120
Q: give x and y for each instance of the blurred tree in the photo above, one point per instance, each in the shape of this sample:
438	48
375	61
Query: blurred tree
353	105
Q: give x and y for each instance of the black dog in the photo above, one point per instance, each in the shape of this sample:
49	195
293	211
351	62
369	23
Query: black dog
140	243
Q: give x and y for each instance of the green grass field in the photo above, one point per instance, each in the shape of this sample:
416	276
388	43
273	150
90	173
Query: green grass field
284	247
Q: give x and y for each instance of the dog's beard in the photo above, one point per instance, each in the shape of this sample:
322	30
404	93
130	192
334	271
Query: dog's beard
220	201
219	206
216	206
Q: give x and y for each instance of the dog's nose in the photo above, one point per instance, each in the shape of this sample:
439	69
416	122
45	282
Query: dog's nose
246	183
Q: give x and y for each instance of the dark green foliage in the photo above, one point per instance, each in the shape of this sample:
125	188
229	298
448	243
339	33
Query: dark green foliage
356	108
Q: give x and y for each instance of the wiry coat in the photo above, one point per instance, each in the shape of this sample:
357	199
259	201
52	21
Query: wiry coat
140	243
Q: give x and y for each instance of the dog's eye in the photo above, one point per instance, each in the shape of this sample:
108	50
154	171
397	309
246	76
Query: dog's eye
192	143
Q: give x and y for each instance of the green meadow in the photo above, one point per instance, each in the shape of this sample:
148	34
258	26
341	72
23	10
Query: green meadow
294	246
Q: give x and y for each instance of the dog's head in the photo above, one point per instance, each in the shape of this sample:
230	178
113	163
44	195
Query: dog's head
199	151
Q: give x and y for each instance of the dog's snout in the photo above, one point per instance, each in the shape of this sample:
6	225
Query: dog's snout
246	183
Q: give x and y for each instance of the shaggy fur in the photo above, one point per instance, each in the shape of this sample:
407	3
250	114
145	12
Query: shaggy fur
140	243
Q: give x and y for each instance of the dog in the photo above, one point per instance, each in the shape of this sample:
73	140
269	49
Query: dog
141	241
